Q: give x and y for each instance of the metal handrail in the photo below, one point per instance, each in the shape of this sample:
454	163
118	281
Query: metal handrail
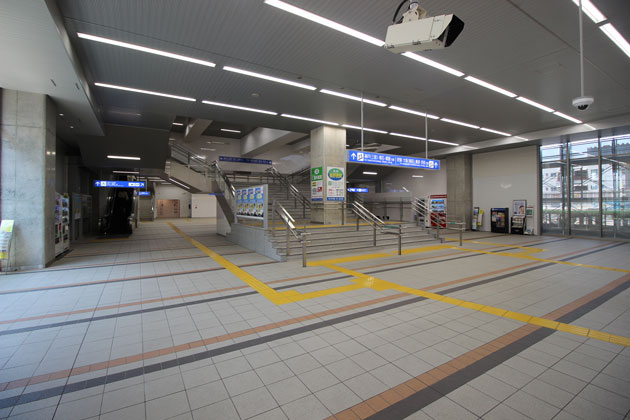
291	190
223	176
289	222
190	159
376	223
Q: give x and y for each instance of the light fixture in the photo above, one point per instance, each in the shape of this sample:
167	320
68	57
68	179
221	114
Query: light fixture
146	92
501	133
354	98
215	142
469	147
364	129
297	117
200	157
243	108
448	120
175	123
591	11
145	49
432	63
417	176
533	103
369	173
123	157
590	126
270	78
72	126
522	138
178	183
614	35
210	150
326	22
491	86
567	117
407	136
230	131
61	115
443	142
411	111
126	172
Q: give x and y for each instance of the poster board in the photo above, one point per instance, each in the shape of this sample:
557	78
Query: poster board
519	207
317	184
6	236
335	183
251	203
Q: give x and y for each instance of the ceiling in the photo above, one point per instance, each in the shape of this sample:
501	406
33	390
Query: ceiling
529	47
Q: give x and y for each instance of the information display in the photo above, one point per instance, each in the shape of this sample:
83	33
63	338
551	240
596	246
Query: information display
250	202
244	160
370	158
358	190
144	193
119	184
317	184
335	184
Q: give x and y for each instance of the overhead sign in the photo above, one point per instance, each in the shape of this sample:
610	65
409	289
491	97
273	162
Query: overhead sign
358	190
119	184
244	160
145	193
370	158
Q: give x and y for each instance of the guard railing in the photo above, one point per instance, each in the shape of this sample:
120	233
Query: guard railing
362	213
437	221
292	190
291	230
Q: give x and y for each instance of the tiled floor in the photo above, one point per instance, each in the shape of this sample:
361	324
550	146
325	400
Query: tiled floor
152	327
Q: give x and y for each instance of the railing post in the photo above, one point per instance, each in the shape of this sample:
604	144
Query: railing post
400	239
401	210
303	249
461	233
374	233
343	212
288	241
273	219
357	222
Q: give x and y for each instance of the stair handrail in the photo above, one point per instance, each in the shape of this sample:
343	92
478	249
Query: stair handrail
191	156
289	222
362	213
301	173
291	189
223	176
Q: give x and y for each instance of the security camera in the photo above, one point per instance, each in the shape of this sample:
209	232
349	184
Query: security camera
583	102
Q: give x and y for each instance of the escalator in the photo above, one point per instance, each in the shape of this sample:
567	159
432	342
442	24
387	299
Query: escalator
118	218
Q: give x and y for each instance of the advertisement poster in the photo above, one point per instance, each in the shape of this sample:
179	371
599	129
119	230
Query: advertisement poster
317	184
518	207
250	202
335	184
260	204
6	233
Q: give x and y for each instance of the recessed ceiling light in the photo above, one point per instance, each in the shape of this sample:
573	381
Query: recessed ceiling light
443	142
354	98
614	35
448	120
135	114
432	63
297	117
243	108
230	131
417	176
61	115
145	49
326	22
364	128
176	123
411	111
501	133
126	172
567	117
533	103
407	136
491	86
369	173
270	78
178	183
146	92
123	157
72	126
591	11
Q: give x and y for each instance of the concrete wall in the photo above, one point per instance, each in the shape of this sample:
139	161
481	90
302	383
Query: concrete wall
169	192
503	176
433	182
204	205
459	188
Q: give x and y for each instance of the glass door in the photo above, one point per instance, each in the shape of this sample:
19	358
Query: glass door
585	217
554	203
616	187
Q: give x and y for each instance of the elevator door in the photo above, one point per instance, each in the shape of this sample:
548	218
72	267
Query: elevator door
168	209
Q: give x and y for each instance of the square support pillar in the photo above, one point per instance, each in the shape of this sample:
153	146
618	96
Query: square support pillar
459	188
328	152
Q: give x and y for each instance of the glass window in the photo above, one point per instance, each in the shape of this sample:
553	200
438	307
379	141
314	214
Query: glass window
553	198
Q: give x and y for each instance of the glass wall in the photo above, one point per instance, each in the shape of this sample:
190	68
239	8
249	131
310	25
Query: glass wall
585	186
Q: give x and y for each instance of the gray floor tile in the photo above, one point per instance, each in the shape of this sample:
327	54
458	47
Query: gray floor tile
206	394
307	408
223	410
318	379
337	398
274	373
168	406
122	398
254	402
80	409
288	390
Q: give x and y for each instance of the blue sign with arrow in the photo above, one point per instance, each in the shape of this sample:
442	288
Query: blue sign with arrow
370	158
119	184
358	190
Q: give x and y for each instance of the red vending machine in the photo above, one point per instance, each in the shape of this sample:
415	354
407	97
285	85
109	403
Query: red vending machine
437	209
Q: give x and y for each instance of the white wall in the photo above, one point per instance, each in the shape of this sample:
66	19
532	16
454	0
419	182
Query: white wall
433	182
204	205
503	176
169	192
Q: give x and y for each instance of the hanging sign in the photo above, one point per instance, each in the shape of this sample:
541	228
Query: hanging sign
119	184
244	160
144	193
370	158
358	190
317	184
335	184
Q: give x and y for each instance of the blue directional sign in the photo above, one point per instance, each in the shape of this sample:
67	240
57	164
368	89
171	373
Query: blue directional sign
145	193
119	184
370	158
244	160
358	190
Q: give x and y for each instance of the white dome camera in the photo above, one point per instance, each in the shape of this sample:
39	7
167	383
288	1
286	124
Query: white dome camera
583	102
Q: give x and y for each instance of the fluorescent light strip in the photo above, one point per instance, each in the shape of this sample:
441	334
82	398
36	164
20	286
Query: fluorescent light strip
443	142
411	111
178	183
243	108
354	98
230	131
123	157
491	86
567	117
326	22
125	172
448	120
434	64
407	136
297	117
210	150
522	138
146	92
270	78
178	123
364	128
417	176
614	35
591	11
496	132
145	49
536	104
590	126
369	173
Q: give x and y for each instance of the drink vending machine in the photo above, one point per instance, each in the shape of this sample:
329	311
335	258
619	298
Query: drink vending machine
437	210
499	220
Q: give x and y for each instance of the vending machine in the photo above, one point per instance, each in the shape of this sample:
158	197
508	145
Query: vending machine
437	210
518	224
477	218
499	218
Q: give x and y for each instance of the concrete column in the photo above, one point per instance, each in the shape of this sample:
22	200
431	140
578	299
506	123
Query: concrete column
27	170
459	188
328	150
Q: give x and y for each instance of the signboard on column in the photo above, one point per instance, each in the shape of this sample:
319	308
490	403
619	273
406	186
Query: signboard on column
335	183
317	184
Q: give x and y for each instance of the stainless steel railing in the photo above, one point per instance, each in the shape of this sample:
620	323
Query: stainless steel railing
292	190
436	220
362	213
291	230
